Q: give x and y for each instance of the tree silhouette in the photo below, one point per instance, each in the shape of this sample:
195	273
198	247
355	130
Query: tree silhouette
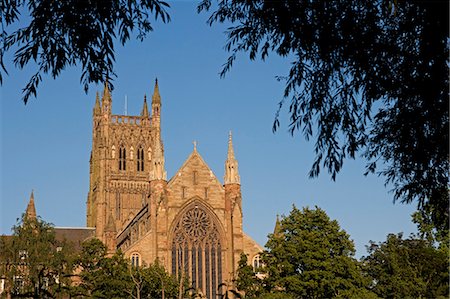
367	78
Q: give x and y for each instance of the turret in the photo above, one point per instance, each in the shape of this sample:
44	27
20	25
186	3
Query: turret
233	206
106	100
158	171
156	108
277	232
30	213
97	108
231	165
110	235
144	112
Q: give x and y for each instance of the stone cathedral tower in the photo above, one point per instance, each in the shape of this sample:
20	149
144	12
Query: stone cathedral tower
124	149
191	223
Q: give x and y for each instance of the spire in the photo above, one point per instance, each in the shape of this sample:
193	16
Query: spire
106	98
30	213
110	225
230	147
156	99
231	165
97	104
277	229
144	112
158	172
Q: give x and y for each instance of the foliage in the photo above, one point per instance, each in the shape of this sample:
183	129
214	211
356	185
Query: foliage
367	78
311	257
427	231
156	281
33	262
68	33
114	277
407	268
102	277
246	280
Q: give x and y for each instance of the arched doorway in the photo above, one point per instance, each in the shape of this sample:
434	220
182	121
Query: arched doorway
197	249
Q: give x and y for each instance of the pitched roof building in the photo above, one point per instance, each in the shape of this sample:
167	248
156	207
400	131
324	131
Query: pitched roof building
191	223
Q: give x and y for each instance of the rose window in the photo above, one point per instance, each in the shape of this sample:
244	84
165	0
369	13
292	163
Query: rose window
197	251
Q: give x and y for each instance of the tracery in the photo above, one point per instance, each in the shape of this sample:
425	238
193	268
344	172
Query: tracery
197	251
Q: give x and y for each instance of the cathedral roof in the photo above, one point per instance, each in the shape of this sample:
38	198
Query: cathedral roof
195	155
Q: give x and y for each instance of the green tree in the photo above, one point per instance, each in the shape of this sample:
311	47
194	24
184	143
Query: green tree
247	282
73	33
367	78
114	277
157	283
34	263
102	276
407	268
312	257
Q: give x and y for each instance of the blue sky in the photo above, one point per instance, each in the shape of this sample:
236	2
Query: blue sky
45	145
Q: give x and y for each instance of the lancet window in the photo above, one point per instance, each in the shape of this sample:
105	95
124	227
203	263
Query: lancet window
140	159
135	260
197	251
122	158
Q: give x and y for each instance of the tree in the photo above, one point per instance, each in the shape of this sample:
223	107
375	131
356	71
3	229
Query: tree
407	268
246	280
158	283
368	78
102	276
69	33
34	263
312	257
114	277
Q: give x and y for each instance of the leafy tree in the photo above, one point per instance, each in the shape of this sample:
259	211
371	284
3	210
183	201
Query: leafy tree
367	78
68	33
246	280
157	283
407	268
114	277
312	257
34	263
101	276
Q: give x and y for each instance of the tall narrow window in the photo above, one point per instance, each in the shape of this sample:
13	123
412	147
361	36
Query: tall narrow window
122	158
140	159
135	262
195	177
197	250
256	263
118	206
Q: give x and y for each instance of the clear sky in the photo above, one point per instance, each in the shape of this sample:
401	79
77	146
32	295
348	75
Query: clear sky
45	145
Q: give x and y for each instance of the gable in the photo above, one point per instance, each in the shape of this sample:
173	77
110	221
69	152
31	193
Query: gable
195	179
195	171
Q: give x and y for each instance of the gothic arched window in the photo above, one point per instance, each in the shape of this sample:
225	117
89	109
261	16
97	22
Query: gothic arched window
256	263
197	250
135	260
140	159
122	158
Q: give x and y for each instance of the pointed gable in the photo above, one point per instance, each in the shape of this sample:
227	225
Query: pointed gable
196	180
195	163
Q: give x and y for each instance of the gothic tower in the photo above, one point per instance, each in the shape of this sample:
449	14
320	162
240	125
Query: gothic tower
124	152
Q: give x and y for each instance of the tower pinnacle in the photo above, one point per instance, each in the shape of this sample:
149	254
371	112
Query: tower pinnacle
158	171
144	112
106	99
231	165
156	99
97	108
30	213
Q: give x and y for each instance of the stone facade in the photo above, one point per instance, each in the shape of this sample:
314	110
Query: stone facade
191	223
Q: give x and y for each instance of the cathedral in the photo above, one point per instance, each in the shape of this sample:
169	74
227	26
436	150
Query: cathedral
191	223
